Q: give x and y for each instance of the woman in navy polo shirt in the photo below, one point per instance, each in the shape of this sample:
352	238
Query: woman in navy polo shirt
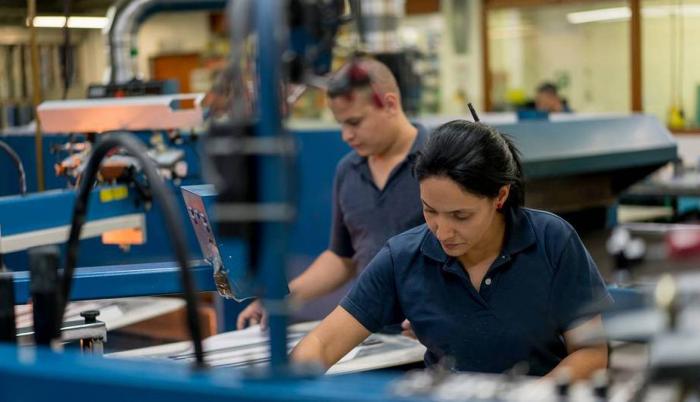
485	281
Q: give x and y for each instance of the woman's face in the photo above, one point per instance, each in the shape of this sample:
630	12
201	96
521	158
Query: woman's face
460	220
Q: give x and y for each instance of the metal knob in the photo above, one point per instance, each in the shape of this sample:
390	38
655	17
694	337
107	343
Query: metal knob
90	316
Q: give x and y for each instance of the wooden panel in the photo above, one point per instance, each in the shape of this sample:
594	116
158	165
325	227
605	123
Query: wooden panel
636	56
422	7
175	67
217	23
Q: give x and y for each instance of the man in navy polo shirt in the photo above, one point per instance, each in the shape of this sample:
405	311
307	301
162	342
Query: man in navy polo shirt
375	195
486	282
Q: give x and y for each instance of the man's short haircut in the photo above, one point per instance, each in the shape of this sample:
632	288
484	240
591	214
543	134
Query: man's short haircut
547	87
381	78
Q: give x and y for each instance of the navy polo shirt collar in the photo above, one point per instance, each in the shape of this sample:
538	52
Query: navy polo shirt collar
519	233
418	142
519	236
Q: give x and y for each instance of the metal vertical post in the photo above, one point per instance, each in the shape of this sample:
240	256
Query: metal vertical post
36	89
271	23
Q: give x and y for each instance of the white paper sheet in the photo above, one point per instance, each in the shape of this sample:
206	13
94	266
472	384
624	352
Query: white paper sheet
249	348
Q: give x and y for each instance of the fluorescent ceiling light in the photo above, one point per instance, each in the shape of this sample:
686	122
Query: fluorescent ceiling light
48	22
624	13
73	22
87	22
603	14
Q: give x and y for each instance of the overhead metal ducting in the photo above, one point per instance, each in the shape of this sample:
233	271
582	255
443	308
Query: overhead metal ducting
124	20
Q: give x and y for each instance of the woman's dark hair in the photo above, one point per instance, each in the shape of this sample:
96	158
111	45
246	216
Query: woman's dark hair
476	156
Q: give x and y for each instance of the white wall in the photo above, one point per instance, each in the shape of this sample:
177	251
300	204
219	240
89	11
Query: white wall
92	56
657	62
689	149
606	73
172	33
461	72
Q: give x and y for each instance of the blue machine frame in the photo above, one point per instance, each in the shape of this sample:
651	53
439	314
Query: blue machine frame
112	281
40	375
18	214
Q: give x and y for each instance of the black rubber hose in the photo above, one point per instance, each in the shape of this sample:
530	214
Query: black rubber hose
20	167
173	224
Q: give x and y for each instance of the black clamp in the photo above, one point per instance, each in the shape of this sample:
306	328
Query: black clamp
90	316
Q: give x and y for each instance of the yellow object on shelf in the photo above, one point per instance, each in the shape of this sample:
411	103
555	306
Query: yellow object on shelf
516	96
675	118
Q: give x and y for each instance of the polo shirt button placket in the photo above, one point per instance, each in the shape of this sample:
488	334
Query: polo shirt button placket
487	282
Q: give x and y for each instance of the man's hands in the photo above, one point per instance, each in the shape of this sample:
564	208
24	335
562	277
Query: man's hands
254	314
406	329
326	274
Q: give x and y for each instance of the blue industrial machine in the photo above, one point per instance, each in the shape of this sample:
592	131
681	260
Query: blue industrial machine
116	207
44	218
579	168
171	147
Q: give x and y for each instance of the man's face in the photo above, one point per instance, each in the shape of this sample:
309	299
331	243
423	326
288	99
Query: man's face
547	102
363	124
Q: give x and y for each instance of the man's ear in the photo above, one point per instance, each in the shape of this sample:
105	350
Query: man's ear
391	102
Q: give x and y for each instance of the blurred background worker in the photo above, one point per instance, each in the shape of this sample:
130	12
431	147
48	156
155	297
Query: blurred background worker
548	99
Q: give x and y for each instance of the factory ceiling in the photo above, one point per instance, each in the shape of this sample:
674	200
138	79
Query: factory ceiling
14	12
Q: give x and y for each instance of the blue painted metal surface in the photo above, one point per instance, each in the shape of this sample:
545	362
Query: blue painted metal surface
628	299
21	214
564	148
156	248
30	375
105	282
554	149
274	176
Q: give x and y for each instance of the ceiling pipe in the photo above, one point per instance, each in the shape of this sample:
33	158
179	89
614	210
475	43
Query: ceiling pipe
124	19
